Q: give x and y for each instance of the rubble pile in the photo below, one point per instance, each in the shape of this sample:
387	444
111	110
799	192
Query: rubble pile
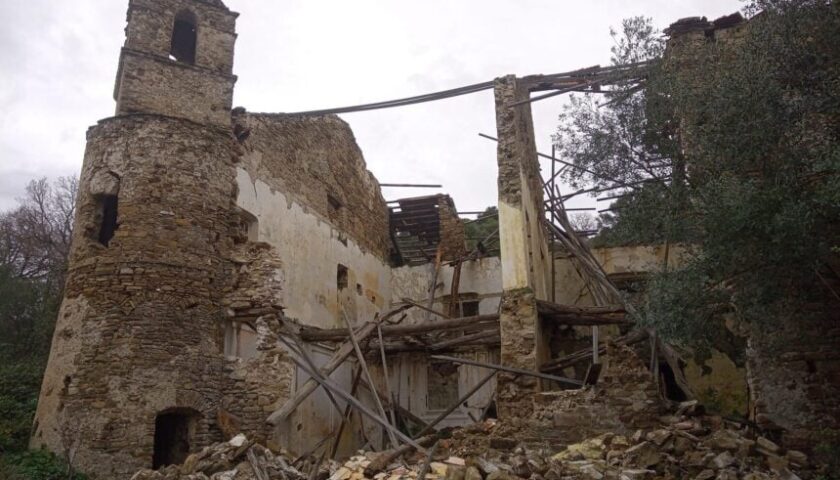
685	445
237	459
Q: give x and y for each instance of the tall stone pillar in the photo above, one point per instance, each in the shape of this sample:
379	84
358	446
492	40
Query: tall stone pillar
524	247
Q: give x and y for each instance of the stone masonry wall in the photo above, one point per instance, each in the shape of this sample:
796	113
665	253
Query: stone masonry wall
153	84
452	232
139	331
624	400
316	161
148	81
794	381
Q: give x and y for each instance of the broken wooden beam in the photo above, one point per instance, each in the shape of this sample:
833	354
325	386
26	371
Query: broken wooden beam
329	384
464	340
339	357
517	371
582	316
360	356
310	334
457	404
381	461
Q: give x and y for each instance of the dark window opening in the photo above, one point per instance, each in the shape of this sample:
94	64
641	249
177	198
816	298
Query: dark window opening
342	277
469	308
172	438
184	38
108	225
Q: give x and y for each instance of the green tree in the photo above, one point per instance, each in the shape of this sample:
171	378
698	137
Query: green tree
748	127
34	242
484	231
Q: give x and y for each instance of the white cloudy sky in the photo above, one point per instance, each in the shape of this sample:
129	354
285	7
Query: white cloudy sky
58	61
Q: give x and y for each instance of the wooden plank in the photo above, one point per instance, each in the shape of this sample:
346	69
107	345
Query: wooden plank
337	334
385	374
335	388
518	371
342	354
463	340
544	306
347	413
363	363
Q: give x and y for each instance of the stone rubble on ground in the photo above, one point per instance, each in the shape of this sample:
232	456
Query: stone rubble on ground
684	446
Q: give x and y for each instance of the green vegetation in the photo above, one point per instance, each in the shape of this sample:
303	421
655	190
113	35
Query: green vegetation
484	230
35	465
740	142
34	240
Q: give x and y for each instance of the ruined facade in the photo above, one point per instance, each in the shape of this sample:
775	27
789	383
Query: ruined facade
204	234
200	230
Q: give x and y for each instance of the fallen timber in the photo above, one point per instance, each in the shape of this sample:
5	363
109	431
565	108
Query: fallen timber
559	364
515	371
342	354
309	334
346	396
582	316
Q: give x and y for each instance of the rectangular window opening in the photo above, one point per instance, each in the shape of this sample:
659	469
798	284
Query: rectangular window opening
342	277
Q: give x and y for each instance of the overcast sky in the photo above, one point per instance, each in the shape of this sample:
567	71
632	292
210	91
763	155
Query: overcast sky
58	61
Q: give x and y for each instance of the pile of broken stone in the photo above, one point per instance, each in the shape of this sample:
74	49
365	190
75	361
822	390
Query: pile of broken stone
684	446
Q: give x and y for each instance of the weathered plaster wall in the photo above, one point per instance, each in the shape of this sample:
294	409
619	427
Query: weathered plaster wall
482	277
320	211
311	249
410	384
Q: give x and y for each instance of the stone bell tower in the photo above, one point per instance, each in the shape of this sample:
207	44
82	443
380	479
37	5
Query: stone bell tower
178	60
136	372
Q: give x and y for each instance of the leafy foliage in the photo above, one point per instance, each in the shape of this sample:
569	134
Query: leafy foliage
35	465
484	229
749	126
34	241
609	140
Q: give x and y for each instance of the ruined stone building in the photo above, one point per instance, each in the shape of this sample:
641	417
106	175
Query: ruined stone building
204	231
